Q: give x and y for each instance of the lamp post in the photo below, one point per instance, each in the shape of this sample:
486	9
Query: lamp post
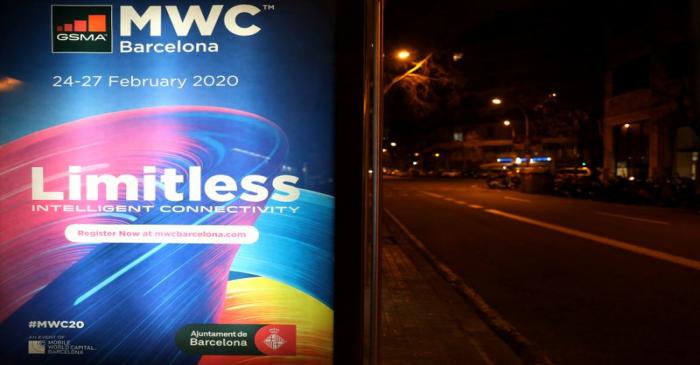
526	120
404	55
507	123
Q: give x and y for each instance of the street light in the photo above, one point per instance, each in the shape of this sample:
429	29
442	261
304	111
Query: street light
437	154
507	123
403	54
498	101
392	144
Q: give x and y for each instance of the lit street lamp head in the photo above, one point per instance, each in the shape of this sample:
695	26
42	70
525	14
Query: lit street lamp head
403	54
506	123
496	101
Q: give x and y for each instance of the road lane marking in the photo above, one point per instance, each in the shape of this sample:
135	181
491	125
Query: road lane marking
632	218
433	194
517	199
521	344
459	202
659	255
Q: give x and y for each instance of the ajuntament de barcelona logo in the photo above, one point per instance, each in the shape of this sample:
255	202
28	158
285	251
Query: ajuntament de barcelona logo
81	28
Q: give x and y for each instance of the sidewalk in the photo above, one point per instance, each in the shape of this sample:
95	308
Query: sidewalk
424	320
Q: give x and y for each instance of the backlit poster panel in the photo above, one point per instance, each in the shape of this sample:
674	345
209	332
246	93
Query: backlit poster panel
167	182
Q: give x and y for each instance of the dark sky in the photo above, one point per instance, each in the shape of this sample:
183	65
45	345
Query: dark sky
543	43
435	23
516	47
531	46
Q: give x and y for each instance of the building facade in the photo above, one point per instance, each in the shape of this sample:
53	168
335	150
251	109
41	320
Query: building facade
649	128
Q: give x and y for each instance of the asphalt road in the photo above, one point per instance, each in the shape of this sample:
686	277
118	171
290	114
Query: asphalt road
588	282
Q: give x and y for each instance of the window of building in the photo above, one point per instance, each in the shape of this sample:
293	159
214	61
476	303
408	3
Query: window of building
687	147
458	136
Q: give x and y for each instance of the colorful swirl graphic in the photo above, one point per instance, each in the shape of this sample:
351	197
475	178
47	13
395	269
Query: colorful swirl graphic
133	297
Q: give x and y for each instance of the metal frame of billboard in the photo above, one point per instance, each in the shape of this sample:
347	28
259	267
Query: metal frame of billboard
358	135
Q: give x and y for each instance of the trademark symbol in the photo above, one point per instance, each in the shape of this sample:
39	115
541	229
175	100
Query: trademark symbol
268	7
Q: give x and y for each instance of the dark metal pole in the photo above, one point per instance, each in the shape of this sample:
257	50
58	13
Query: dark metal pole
378	103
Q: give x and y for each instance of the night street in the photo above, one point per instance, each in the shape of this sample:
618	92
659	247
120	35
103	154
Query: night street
587	282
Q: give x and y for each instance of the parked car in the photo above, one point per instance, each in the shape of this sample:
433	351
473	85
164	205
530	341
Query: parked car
500	176
573	171
451	173
576	182
415	172
399	172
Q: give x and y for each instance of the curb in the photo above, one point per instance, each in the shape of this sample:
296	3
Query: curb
521	345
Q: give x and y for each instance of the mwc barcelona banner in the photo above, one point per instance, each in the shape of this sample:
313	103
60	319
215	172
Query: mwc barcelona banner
167	182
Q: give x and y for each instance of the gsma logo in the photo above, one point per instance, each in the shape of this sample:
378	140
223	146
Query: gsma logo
81	28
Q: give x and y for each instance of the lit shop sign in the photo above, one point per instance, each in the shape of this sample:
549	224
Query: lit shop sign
167	184
88	28
520	160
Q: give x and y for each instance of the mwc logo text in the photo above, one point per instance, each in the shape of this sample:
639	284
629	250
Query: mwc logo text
152	17
88	28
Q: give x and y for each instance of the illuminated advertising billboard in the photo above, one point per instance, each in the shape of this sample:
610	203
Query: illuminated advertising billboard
167	174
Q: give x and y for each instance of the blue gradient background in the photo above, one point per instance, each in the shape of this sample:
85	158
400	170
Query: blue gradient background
285	74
